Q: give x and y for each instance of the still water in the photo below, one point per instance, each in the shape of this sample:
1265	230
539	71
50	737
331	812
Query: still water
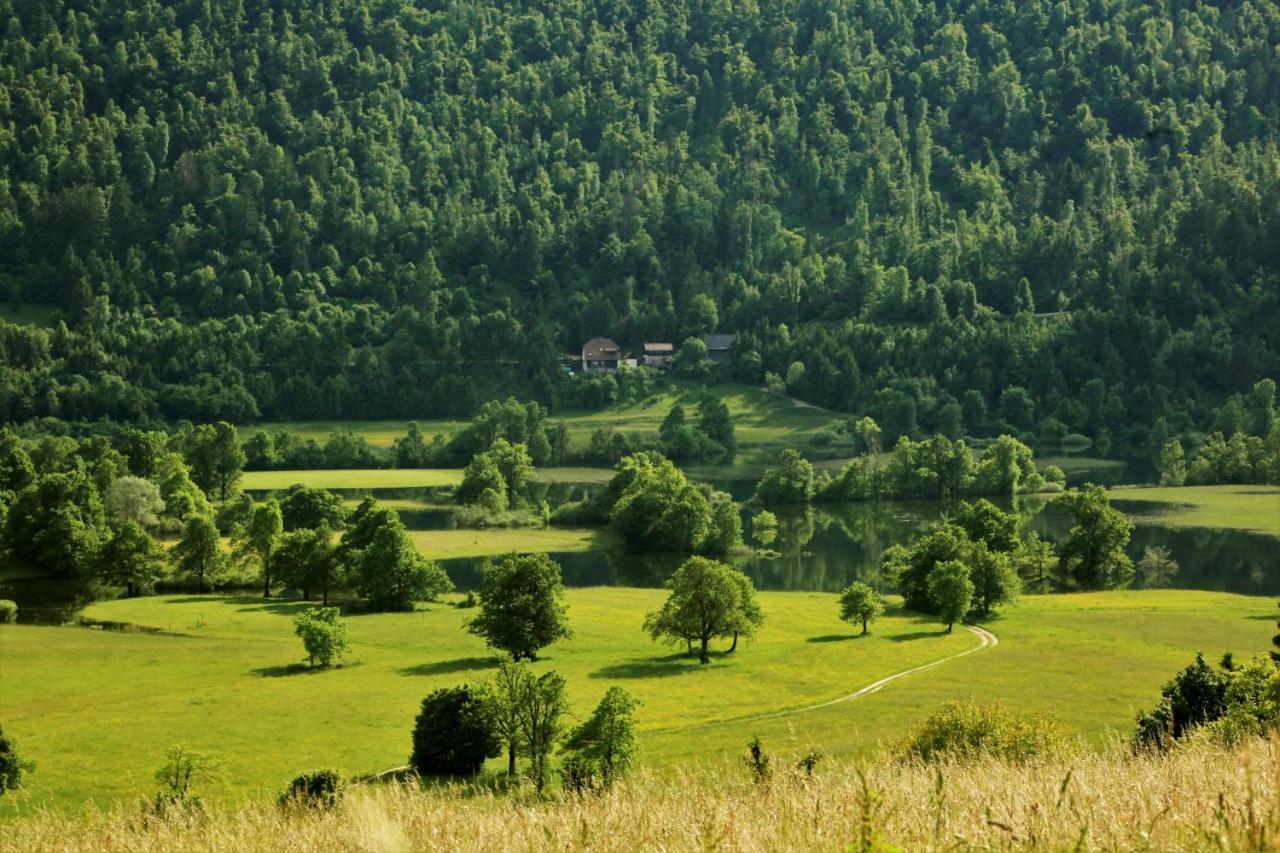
823	547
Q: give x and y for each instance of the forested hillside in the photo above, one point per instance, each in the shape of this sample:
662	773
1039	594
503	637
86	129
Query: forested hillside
379	208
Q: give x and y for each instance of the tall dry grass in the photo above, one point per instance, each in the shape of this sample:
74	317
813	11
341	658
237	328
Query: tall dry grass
1201	797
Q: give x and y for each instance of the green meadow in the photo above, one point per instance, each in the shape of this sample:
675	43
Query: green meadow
97	709
1252	508
400	478
764	424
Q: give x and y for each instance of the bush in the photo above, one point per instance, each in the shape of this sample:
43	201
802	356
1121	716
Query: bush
8	612
12	767
453	734
966	731
315	789
324	635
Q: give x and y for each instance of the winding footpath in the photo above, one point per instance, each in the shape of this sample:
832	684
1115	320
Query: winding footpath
986	640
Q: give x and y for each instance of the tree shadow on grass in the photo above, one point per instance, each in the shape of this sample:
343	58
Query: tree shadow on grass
663	667
917	635
285	671
835	638
445	667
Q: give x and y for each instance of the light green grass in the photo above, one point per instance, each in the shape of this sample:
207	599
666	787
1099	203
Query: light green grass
30	314
490	542
98	709
763	423
1251	508
1078	464
400	478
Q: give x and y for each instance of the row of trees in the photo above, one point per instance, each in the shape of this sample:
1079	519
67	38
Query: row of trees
975	560
936	468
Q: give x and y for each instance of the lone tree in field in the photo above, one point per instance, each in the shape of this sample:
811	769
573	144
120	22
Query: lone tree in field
521	605
216	459
385	565
324	635
258	538
453	734
198	553
605	743
860	603
131	559
708	599
951	591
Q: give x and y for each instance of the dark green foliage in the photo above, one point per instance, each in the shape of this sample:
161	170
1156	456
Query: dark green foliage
308	507
790	483
860	604
244	213
1275	641
521	605
1093	556
216	460
950	591
1231	701
58	524
384	564
314	789
9	612
707	600
654	508
604	745
131	559
304	559
198	553
12	766
452	735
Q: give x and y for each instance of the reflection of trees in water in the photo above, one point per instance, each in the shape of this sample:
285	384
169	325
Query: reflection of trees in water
828	546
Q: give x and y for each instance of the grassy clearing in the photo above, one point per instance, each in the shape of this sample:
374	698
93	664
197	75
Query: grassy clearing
764	424
1252	508
97	709
1200	797
491	542
400	478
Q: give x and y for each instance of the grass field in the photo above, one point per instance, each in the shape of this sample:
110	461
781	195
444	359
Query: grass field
400	478
98	709
764	424
1203	796
1252	508
491	542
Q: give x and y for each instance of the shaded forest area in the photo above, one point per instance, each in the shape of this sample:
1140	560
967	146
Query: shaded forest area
962	217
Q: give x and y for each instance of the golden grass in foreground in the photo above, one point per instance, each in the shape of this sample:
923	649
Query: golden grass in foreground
1200	797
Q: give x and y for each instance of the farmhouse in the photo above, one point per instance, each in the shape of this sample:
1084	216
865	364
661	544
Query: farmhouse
658	355
600	355
719	347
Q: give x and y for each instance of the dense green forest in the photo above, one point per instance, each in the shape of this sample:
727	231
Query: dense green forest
958	216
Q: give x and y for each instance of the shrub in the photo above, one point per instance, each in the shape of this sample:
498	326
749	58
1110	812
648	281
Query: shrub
324	635
315	789
12	767
8	611
965	731
453	734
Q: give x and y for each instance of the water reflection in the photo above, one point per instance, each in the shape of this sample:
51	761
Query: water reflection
827	547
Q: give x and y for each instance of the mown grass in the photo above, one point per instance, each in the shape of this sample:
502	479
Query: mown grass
98	709
1199	797
493	541
1252	508
763	423
399	478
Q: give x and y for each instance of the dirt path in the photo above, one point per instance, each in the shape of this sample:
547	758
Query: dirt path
986	639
